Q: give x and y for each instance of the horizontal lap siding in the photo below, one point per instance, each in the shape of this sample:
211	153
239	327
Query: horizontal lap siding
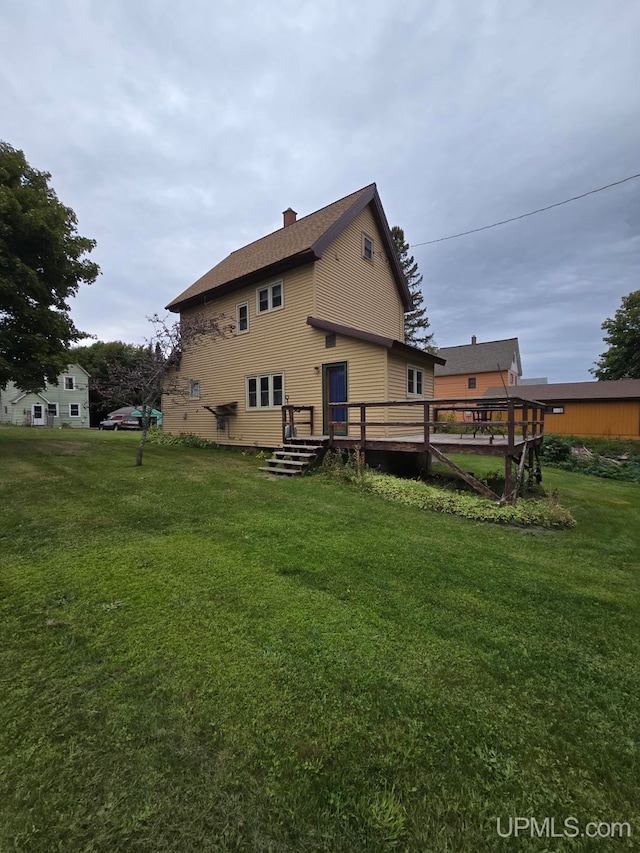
458	386
277	342
614	419
397	390
355	292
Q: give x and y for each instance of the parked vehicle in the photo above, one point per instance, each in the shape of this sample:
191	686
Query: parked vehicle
116	422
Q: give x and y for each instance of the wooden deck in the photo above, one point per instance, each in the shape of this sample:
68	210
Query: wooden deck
510	427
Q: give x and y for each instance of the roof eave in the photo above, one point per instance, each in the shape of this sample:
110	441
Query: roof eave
300	259
369	196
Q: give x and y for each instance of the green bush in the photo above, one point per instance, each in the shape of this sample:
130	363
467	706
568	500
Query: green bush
415	493
542	513
556	453
183	439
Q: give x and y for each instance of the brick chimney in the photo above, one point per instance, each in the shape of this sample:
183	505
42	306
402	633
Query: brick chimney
289	216
474	340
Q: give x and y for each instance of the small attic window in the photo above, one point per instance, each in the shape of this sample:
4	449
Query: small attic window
367	248
330	340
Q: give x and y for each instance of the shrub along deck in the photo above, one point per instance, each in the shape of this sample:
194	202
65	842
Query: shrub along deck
194	658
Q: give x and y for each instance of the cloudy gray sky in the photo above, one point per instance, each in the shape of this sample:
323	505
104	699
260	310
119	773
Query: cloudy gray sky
179	132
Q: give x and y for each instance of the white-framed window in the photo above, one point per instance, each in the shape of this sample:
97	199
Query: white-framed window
75	410
194	389
52	409
69	383
265	391
415	381
367	247
270	297
554	410
242	318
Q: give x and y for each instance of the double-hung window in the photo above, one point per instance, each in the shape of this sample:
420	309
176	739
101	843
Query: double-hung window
367	248
242	318
269	298
415	381
74	410
194	389
69	383
265	391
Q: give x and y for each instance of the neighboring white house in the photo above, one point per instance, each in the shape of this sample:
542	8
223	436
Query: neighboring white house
65	403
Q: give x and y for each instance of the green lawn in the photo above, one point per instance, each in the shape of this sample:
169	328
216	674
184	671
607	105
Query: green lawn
196	658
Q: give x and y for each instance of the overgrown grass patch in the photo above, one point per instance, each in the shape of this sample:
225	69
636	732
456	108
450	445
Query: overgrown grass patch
195	658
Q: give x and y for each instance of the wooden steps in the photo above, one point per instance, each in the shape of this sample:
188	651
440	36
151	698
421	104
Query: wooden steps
295	457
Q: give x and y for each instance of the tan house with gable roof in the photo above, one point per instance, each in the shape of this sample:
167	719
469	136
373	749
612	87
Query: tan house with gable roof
318	308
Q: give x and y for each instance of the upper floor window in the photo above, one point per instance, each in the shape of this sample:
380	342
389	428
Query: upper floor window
69	383
512	378
367	248
415	381
194	390
471	382
242	318
269	298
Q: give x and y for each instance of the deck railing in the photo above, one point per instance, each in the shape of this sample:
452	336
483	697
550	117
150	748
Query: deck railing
290	423
524	418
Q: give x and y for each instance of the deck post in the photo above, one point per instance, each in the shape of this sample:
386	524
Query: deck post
510	427
427	438
311	432
525	419
363	426
508	478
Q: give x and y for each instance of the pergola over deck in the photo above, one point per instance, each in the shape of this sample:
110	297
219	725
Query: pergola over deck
510	427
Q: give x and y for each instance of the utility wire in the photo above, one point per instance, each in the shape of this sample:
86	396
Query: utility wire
524	215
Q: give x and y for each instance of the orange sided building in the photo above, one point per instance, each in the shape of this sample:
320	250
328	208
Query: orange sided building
609	409
472	369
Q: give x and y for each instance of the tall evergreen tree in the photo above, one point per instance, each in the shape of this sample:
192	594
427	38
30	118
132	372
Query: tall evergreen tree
416	321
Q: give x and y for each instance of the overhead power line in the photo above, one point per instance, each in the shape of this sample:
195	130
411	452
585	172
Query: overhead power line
524	215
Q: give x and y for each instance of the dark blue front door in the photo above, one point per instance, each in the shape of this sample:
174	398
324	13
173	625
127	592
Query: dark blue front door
334	390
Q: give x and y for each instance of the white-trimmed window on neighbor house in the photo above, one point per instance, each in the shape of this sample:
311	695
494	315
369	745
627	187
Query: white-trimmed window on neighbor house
194	389
75	410
52	410
270	297
69	383
367	247
265	391
415	381
242	318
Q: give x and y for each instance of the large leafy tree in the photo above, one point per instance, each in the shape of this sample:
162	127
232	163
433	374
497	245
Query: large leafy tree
416	321
622	359
42	264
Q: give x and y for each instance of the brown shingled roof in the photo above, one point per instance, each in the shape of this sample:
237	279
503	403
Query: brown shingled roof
480	357
617	389
299	243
